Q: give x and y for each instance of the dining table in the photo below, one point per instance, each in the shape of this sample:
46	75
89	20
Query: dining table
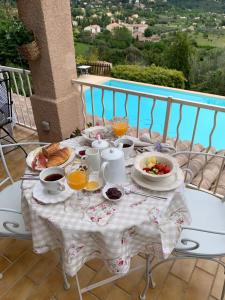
112	232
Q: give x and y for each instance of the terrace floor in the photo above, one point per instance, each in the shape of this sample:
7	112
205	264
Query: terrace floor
28	276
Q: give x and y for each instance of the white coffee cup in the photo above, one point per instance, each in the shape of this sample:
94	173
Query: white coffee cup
53	179
92	159
128	146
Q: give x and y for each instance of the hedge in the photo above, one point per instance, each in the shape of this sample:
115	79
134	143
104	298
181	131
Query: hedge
152	74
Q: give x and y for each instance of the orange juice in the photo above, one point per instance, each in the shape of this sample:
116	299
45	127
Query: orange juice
77	180
120	128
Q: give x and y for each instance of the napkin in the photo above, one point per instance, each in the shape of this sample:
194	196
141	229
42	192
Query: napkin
101	213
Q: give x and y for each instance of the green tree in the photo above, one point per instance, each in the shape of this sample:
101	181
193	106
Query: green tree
180	53
121	38
148	32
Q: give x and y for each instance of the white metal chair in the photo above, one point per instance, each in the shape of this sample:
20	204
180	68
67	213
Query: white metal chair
11	219
204	238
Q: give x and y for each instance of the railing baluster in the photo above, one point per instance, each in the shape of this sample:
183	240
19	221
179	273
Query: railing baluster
167	119
25	98
152	117
219	175
18	97
192	139
28	83
114	104
92	106
83	105
103	107
126	101
138	116
210	144
178	126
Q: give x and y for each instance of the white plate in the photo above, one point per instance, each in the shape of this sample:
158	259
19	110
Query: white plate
94	130
32	154
41	195
167	184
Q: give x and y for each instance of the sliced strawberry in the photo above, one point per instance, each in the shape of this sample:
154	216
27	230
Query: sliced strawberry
166	169
160	167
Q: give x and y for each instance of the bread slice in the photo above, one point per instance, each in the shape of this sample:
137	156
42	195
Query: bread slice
59	157
51	149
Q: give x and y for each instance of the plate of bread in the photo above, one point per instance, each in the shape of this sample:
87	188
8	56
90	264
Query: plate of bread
52	155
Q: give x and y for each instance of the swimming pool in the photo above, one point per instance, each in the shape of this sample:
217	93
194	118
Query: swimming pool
205	122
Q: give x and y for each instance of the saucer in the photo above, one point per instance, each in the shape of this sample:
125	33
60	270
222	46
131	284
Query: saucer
43	196
167	184
112	185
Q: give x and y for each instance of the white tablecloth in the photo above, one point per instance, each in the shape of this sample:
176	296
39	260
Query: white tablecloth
112	232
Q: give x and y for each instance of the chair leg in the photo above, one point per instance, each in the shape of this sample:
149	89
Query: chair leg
223	290
78	287
149	280
6	131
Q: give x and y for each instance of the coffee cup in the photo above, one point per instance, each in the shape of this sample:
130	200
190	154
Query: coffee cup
92	159
128	146
52	179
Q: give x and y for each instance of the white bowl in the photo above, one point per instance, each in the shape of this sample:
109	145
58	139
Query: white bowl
108	186
141	159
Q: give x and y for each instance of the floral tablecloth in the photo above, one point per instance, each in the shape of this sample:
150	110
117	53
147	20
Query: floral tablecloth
112	232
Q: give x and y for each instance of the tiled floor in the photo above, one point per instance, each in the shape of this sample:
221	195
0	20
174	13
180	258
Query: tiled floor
38	277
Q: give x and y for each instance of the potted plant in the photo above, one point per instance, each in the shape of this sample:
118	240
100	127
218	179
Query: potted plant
24	38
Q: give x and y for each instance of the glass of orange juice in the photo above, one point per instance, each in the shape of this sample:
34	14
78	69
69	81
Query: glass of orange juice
120	126
77	178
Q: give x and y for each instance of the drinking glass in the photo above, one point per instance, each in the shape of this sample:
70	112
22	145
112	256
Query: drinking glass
120	126
77	178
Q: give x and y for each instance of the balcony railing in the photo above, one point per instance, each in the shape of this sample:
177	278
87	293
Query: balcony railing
200	165
21	92
209	171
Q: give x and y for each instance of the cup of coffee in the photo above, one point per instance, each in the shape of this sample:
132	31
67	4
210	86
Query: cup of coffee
53	179
128	146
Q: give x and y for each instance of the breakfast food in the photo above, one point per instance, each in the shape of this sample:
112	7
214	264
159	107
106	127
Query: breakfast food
152	166
50	156
51	149
113	193
92	185
59	157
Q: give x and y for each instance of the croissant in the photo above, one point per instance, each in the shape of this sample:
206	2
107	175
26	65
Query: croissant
51	149
59	157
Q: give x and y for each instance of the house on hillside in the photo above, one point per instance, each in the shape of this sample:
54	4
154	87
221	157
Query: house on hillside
112	26
136	30
94	29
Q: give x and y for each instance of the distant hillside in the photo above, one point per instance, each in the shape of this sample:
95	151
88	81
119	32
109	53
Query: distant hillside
201	5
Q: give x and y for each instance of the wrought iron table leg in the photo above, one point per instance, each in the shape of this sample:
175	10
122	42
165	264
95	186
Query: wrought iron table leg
223	290
149	280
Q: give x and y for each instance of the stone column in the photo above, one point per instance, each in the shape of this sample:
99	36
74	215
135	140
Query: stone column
55	99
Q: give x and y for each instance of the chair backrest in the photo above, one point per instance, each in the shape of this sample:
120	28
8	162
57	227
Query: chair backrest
8	176
206	171
5	98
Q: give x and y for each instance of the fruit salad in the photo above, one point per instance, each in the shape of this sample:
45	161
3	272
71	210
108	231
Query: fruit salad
152	166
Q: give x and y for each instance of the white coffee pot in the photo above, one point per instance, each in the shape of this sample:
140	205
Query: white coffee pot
113	165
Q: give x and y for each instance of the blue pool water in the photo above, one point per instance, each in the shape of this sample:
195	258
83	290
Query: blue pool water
205	122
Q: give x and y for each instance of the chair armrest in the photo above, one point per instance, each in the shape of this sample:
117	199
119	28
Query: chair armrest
203	230
10	225
194	244
24	144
